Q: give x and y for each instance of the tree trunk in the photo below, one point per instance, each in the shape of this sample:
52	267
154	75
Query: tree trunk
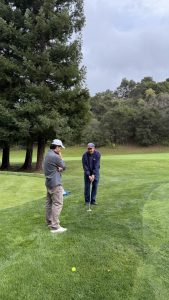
40	153
5	157
27	166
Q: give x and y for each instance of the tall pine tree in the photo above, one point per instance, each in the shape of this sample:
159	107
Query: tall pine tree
10	82
51	101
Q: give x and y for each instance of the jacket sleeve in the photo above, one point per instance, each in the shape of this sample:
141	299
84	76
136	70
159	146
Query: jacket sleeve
97	164
85	165
60	163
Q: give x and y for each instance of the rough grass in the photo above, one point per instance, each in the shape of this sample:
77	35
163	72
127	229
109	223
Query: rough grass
120	249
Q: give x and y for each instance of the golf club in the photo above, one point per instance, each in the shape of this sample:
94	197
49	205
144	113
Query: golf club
89	207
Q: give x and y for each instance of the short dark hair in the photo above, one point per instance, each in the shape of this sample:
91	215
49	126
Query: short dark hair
53	147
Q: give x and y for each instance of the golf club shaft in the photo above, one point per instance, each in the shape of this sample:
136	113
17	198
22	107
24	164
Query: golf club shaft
89	209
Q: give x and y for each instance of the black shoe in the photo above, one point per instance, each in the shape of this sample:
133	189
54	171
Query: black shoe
49	224
93	203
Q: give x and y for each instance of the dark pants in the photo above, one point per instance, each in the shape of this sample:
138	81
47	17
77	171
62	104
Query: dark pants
90	190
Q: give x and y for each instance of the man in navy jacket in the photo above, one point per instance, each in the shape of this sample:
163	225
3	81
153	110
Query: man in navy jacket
91	167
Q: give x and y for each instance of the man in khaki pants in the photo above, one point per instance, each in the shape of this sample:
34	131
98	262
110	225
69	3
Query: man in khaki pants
53	166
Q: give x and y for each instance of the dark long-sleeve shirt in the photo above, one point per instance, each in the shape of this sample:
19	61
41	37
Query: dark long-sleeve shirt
91	164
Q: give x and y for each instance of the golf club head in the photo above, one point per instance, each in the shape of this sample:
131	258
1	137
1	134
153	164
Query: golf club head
89	209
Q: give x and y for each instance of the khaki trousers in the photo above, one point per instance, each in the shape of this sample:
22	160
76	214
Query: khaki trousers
54	204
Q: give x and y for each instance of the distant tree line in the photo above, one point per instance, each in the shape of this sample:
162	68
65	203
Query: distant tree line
41	78
133	113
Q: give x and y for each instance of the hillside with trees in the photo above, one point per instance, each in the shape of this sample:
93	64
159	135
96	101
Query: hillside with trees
133	113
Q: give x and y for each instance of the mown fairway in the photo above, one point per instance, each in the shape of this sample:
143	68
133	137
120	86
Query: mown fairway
120	249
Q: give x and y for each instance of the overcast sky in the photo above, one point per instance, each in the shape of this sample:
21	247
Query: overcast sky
125	38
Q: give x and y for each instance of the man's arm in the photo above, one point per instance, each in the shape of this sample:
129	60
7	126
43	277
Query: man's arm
60	164
97	164
85	165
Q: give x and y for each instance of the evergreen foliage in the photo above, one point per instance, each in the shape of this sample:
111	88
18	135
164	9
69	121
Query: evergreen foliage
133	113
41	78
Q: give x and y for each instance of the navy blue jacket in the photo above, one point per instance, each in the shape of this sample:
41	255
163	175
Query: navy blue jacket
91	167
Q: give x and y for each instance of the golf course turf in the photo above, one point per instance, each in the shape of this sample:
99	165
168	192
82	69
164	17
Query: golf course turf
120	249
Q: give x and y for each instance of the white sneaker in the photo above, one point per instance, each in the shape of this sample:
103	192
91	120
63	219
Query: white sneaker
58	230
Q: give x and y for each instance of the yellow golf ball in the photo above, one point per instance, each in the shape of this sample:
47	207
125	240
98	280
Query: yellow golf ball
73	269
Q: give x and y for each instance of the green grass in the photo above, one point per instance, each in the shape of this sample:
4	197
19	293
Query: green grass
75	152
120	249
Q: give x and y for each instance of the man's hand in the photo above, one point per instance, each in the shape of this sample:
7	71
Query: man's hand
60	169
60	155
91	178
